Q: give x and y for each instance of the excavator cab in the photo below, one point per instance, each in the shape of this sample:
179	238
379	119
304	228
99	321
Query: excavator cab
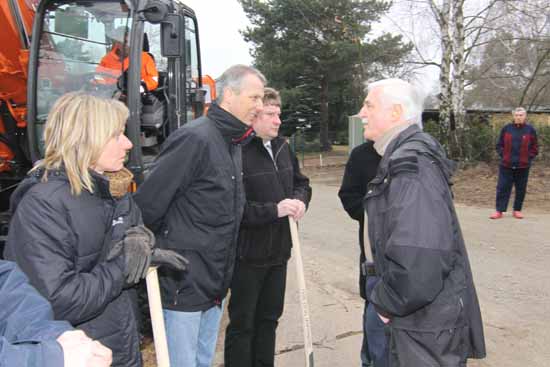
70	51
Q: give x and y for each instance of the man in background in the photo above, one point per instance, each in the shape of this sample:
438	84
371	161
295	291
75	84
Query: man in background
517	147
117	62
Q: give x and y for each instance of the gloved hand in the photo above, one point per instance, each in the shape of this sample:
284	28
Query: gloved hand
136	247
169	258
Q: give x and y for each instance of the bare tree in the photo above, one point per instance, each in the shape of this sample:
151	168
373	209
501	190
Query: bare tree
513	67
468	34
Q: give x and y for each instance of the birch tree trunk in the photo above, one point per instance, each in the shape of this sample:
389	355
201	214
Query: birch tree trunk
445	105
458	70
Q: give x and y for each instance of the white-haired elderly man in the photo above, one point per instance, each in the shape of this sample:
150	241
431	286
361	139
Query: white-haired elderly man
517	147
424	292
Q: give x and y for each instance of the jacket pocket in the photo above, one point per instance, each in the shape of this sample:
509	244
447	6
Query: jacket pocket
442	348
256	243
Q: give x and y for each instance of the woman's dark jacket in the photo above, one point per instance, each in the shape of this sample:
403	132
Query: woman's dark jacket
61	240
426	286
193	200
264	239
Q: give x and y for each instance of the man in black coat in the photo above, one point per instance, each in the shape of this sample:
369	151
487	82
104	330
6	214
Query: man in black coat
275	189
360	170
425	294
193	200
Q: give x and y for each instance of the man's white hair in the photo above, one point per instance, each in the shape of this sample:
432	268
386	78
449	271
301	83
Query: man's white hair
399	92
518	109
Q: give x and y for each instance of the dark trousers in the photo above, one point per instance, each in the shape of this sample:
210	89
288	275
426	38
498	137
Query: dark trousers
377	338
256	304
365	354
508	177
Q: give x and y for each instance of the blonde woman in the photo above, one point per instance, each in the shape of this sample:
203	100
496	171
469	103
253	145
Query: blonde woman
80	245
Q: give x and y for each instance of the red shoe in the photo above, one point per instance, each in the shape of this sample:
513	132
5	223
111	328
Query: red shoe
517	214
496	215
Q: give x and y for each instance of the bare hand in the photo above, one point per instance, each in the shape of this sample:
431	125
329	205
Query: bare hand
101	356
301	210
292	208
81	351
285	208
385	320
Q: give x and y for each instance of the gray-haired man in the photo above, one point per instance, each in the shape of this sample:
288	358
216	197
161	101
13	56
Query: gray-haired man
425	293
193	200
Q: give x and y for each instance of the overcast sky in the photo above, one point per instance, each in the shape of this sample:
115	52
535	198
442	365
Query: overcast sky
221	43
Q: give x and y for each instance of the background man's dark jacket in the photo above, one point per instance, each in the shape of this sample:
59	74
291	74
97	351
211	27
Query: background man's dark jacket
60	242
27	331
426	286
517	145
264	239
360	170
193	200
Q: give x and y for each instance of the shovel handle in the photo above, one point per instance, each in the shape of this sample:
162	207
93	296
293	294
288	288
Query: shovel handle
306	322
157	319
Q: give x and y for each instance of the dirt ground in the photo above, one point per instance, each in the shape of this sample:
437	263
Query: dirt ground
509	259
474	184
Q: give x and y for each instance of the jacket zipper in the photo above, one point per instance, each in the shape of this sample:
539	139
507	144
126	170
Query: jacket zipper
236	225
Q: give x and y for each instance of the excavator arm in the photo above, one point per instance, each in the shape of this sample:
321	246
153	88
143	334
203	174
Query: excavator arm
17	17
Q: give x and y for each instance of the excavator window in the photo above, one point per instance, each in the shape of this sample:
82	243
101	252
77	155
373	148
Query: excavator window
75	38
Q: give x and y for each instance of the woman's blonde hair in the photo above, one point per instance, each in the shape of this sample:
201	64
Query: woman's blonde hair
79	126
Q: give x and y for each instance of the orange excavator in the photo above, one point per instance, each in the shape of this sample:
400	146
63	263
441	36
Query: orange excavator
51	47
14	55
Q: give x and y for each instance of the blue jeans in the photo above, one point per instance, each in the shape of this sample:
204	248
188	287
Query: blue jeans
192	336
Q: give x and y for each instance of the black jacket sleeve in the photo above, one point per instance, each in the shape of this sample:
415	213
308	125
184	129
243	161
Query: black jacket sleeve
175	168
360	170
418	251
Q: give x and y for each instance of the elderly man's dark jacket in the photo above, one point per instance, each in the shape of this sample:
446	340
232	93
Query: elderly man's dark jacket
264	238
193	199
426	286
61	240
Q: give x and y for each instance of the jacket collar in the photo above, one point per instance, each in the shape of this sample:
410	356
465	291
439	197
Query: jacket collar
414	139
232	129
101	183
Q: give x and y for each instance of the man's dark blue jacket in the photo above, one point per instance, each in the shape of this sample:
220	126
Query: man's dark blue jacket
517	145
27	331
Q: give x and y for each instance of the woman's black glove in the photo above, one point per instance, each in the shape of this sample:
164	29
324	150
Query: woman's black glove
139	253
169	259
136	247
